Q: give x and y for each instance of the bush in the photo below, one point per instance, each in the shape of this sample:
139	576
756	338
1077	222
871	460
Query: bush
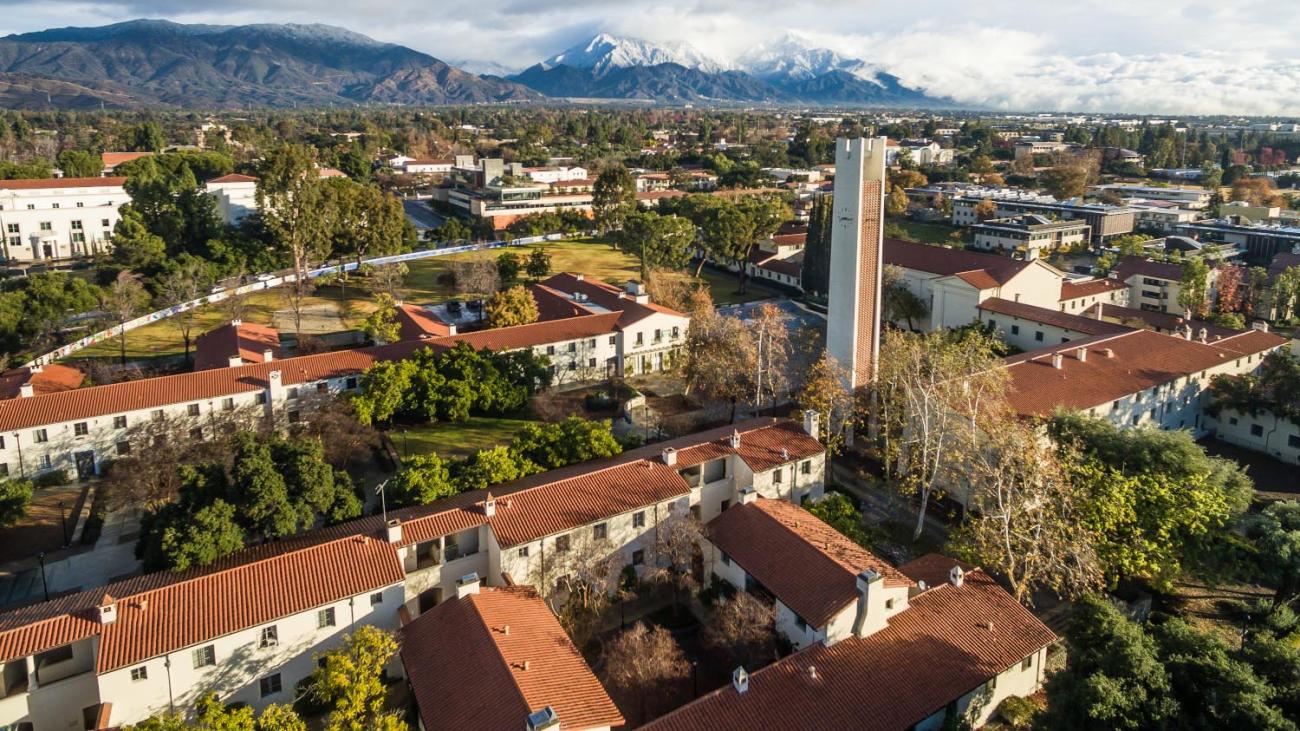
600	401
53	478
1018	713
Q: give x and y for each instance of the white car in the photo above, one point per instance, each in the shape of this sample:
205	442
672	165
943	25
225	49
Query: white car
265	277
217	289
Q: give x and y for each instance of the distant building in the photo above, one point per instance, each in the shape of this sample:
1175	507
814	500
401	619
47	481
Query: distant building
59	219
236	196
1105	222
1260	242
112	159
1030	235
1190	198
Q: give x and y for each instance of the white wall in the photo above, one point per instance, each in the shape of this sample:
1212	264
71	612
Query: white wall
1264	432
95	209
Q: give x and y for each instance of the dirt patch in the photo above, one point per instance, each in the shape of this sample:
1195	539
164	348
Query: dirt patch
42	529
316	320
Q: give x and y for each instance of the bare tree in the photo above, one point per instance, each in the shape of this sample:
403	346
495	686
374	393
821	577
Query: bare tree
720	359
344	438
676	544
235	305
579	583
644	661
186	283
388	279
124	299
743	629
826	390
770	330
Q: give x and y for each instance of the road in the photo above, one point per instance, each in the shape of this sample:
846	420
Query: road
420	215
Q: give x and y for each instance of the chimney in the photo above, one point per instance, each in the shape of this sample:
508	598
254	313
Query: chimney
956	576
37	368
669	456
466	585
1082	355
812	420
274	390
393	531
1203	335
740	680
107	610
577	277
1259	325
26	390
735	439
236	322
1057	361
871	604
785	454
234	361
747	496
1108	352
543	720
489	505
451	329
268	355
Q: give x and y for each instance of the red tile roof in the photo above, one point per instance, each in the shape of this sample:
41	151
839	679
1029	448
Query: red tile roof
113	159
945	262
248	340
1164	322
233	178
51	378
607	296
1142	359
933	569
489	659
948	642
417	323
1074	290
553	304
1055	318
811	567
532	334
44	183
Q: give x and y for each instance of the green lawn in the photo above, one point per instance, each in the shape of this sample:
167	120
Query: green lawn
461	439
927	233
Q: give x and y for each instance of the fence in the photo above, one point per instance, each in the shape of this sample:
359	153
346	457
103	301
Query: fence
274	281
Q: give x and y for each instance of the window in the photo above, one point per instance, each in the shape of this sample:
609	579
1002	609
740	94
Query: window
377	598
269	637
722	507
205	656
261	397
1293	440
550	350
1027	663
156	415
1038	335
325	618
561	544
600	531
638	519
140	673
227	404
4	469
806	467
523	552
293	393
889	603
591	362
573	347
613	339
800	623
294	417
351	383
54	205
1257	430
40	436
104	223
192	409
726	559
638	557
45	226
270	685
119	422
12	228
777	476
323	387
76	226
81	429
640	338
196	433
676	332
1015	329
123	448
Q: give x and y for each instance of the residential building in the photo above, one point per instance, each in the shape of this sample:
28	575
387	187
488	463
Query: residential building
1260	242
1104	222
59	219
235	344
1077	295
1027	148
557	174
1262	431
954	643
112	159
428	166
39	379
1029	327
132	649
1153	285
236	196
1162	218
509	651
1030	236
503	193
1189	198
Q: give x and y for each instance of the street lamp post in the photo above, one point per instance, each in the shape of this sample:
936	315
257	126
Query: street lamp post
63	521
44	584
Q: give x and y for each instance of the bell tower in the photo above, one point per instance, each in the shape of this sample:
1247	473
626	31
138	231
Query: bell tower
857	243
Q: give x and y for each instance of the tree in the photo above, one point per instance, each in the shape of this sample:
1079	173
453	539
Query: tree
816	272
644	661
826	391
509	266
743	630
986	209
896	202
1276	532
263	495
567	442
350	681
146	137
726	233
720	357
292	201
899	302
1256	192
382	326
838	511
514	306
538	264
197	540
187	280
1065	180
15	495
123	300
422	480
80	164
1025	519
657	241
764	216
134	245
488	467
384	389
613	197
1194	287
770	328
475	277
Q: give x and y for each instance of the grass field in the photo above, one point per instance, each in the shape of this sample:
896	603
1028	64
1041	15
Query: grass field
425	283
461	439
926	233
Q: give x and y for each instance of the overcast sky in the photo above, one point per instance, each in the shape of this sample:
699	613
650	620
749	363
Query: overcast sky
1159	56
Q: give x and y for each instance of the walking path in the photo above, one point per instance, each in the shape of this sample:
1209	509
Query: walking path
66	572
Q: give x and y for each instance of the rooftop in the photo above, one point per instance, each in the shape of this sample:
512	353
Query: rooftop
512	658
984	270
54	183
1056	318
50	378
1131	265
248	340
1087	288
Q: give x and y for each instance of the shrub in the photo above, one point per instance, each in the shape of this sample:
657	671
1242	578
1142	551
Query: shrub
53	478
1017	712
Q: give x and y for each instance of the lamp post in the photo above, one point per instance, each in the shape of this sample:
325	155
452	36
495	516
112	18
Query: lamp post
406	445
44	584
63	521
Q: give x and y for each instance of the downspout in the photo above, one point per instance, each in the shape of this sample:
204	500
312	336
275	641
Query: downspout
171	699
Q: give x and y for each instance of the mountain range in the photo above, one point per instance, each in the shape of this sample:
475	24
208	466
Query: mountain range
161	63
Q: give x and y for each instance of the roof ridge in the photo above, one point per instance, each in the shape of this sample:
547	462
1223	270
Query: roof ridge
823	549
482	620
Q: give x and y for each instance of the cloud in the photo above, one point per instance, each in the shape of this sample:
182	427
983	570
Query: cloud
1158	56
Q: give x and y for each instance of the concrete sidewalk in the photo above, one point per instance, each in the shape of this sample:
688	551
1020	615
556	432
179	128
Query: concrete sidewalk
112	558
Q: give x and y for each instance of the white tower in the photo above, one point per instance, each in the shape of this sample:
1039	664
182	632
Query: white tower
857	242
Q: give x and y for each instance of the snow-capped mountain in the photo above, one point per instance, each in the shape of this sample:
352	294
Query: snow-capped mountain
793	58
605	52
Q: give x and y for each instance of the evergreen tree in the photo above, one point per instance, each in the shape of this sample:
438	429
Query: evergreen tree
816	273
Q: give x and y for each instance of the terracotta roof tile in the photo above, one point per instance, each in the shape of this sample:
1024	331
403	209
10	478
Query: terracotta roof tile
1136	265
607	296
1056	318
248	340
949	262
492	635
808	565
1074	290
44	183
931	654
417	323
1164	322
933	569
51	378
113	159
233	178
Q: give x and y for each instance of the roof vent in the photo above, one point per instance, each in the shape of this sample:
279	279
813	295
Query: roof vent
26	390
785	454
546	718
38	367
812	672
1108	352
1058	361
670	456
957	576
735	439
108	610
393	531
988	625
740	680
